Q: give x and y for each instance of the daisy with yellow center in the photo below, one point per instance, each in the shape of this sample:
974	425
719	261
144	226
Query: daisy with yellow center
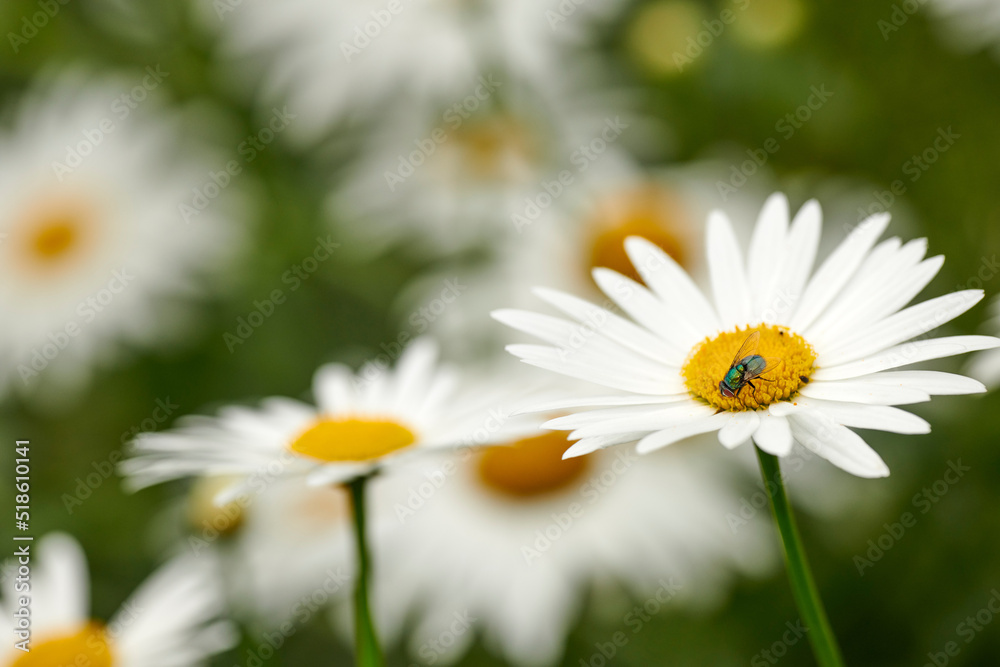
522	539
362	424
94	238
174	617
454	178
838	332
782	354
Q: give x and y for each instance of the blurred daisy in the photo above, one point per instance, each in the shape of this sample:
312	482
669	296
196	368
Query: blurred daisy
331	60
96	253
560	252
969	24
170	621
280	545
506	158
507	542
820	346
362	423
986	365
295	541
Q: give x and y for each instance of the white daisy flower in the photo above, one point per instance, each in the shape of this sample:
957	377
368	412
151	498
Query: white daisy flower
170	621
508	157
362	422
96	255
331	60
819	348
508	541
985	366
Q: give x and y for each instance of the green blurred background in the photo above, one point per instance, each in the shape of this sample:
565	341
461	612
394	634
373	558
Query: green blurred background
891	96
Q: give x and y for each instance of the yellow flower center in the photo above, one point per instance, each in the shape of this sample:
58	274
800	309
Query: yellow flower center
531	467
711	359
647	211
494	147
352	440
202	512
53	234
87	646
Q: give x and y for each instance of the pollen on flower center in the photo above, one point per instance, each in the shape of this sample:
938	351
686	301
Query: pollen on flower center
352	440
647	211
711	359
530	467
87	646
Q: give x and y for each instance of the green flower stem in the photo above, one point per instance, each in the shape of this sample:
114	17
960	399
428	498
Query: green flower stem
824	644
367	650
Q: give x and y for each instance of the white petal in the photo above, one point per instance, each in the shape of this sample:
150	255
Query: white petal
413	373
837	444
774	435
872	393
669	436
905	354
880	272
614	327
797	261
600	371
900	327
655	420
63	598
874	417
882	301
333	388
739	428
766	248
336	473
588	445
672	324
725	265
672	285
588	417
598	401
934	383
837	270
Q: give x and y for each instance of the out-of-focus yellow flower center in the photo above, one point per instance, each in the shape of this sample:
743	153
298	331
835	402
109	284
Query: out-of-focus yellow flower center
352	440
711	359
204	514
52	234
494	147
531	467
649	212
88	646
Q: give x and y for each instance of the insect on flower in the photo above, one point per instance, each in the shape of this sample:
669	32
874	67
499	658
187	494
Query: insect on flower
747	365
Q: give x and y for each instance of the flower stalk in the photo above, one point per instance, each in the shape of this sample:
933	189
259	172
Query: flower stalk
821	637
367	651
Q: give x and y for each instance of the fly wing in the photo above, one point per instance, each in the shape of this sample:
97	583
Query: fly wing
757	366
749	348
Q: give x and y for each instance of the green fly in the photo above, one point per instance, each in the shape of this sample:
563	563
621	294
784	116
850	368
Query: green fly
747	366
